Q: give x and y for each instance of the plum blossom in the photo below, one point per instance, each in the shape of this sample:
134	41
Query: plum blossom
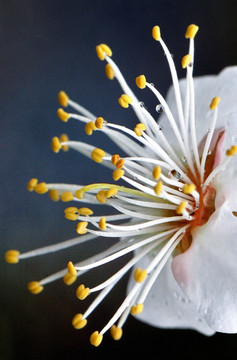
173	197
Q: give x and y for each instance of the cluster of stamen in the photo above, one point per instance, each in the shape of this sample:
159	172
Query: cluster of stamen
159	208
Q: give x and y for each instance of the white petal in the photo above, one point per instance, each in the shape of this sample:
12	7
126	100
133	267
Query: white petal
208	269
166	305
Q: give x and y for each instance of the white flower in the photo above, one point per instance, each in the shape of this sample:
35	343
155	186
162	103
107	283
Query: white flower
178	214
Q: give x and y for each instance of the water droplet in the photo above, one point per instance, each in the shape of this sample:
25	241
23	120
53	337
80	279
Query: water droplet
190	64
152	84
174	174
160	128
184	159
208	130
205	311
160	108
141	104
209	152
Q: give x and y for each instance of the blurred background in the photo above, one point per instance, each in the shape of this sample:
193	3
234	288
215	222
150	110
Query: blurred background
47	46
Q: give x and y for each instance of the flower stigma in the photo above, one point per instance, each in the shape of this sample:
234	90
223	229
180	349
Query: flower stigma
166	195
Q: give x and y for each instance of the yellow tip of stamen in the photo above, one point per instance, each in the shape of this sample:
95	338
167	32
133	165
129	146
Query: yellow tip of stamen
136	309
102	223
156	173
82	292
125	101
111	192
63	98
140	275
156	32
85	211
96	338
81	227
102	50
191	31
189	188
97	155
99	123
232	151
115	159
141	81
116	332
120	163
90	127
158	188
139	128
71	213
117	174
54	195
101	196
67	196
12	256
69	279
34	287
109	72
186	60
31	184
41	188
71	268
63	115
80	194
180	209
55	144
215	102
64	138
78	322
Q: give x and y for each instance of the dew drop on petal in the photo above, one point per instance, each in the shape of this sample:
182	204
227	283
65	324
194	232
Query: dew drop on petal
159	108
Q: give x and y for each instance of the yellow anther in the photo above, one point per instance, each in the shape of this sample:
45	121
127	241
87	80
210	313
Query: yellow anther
99	123
101	196
54	195
137	309
80	194
78	322
139	128
12	256
232	151
97	155
117	174
31	184
63	98
81	227
71	216
71	210
85	211
191	31
189	188
67	196
96	338
156	32
34	287
41	188
115	159
111	192
63	115
64	138
158	188
180	209
109	72
215	102
120	163
82	292
186	60
141	81
116	332
102	50
125	101
56	144
69	279
102	223
156	172
90	127
140	275
71	268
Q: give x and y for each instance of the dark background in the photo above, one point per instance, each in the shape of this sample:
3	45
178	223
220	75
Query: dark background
46	46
